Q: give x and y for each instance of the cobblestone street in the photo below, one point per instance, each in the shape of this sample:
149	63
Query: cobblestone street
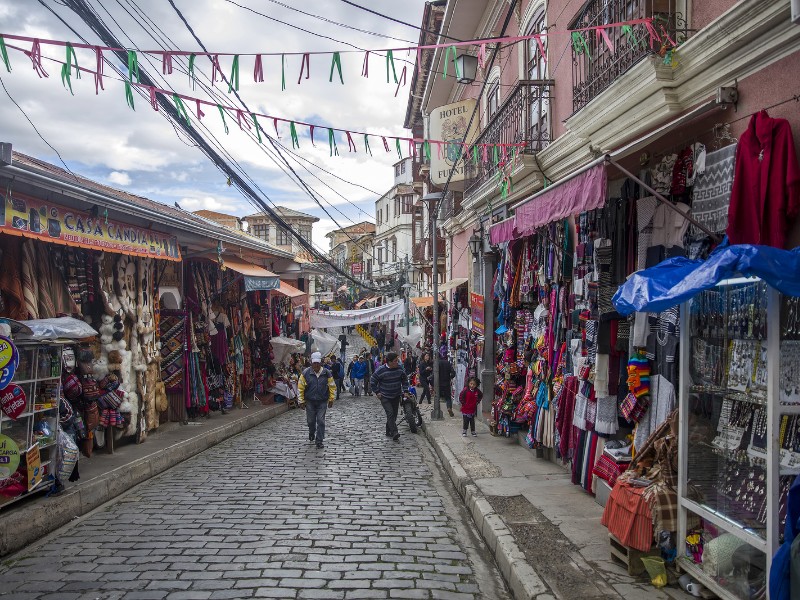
267	515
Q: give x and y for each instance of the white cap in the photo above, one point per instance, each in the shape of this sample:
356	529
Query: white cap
316	357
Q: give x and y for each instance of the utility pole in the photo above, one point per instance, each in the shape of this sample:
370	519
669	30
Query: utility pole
407	287
433	206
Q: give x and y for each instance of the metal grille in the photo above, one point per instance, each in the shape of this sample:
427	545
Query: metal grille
596	69
524	117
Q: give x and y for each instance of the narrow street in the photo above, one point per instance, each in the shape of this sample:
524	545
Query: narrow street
267	515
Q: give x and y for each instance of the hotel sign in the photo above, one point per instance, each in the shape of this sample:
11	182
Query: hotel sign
449	124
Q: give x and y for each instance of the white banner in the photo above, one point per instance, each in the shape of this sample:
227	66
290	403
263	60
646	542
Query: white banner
413	338
321	319
324	343
282	347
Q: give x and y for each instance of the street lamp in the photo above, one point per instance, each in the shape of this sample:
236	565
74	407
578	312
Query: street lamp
466	68
475	243
433	199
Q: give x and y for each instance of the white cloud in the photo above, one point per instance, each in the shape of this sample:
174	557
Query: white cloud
119	178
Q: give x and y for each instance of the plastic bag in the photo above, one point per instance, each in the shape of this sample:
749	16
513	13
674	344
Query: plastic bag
656	569
68	455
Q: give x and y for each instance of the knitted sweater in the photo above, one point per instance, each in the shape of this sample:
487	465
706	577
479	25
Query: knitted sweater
388	382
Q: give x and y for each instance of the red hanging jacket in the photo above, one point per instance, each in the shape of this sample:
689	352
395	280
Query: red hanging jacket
765	197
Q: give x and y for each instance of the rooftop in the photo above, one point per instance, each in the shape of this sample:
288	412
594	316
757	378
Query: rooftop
363	227
287	213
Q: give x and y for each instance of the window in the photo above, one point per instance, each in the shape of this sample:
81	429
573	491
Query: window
305	232
378	217
397	170
493	99
378	255
408	204
394	250
396	206
536	63
261	231
403	167
284	238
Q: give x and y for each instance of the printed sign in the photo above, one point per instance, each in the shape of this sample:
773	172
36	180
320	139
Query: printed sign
13	401
34	218
34	461
357	268
476	303
449	123
9	359
9	456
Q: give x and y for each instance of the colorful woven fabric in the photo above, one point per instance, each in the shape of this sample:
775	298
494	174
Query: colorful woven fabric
627	516
608	469
639	375
633	408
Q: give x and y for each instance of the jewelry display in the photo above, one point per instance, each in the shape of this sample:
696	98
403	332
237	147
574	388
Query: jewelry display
790	372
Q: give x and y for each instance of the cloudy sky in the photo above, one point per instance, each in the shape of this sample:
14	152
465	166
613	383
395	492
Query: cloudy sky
100	137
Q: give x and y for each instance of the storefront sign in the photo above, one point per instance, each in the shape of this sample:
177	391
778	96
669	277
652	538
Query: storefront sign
49	222
9	359
476	303
9	456
34	461
13	401
357	268
449	123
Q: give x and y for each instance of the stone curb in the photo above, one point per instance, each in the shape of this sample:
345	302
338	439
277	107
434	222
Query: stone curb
522	579
23	527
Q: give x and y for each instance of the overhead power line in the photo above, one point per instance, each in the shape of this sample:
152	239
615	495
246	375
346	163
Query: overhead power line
387	17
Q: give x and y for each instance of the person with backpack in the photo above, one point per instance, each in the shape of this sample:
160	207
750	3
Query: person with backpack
337	370
316	390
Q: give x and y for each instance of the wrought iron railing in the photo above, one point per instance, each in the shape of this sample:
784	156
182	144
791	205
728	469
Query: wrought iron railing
524	118
594	66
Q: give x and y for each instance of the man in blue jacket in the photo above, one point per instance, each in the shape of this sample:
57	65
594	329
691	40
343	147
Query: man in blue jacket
358	373
317	391
389	382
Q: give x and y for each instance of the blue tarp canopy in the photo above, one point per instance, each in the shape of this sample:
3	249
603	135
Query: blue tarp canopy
677	280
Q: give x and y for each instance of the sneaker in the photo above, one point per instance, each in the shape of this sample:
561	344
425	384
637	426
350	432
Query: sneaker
450	410
474	434
320	445
310	436
463	434
396	437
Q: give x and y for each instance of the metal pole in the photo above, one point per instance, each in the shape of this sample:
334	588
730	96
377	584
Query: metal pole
434	199
408	300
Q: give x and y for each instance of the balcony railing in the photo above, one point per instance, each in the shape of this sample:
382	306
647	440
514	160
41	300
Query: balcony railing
523	118
594	66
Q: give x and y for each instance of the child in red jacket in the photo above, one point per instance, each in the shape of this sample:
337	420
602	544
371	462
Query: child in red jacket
469	398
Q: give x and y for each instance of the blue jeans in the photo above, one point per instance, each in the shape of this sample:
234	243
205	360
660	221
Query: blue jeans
358	384
315	416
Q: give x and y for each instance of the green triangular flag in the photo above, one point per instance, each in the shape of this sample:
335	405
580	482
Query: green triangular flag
293	133
258	127
283	72
4	54
233	80
366	145
332	142
397	147
191	70
66	68
222	114
390	62
133	67
336	61
129	95
181	108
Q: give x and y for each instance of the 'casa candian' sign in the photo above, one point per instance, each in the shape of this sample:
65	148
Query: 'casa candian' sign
48	222
449	124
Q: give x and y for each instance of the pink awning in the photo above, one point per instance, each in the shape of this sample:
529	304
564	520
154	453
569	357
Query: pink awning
502	231
583	192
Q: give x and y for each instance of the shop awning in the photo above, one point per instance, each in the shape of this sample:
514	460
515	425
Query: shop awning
585	190
423	301
504	231
255	278
677	280
453	283
289	290
361	303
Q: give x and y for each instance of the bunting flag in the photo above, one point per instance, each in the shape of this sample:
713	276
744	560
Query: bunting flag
305	62
351	145
233	80
181	108
332	142
258	127
66	68
200	113
133	73
153	98
579	43
98	74
166	63
336	62
397	147
390	63
283	72
293	133
4	54
192	78
35	55
222	114
367	149
365	66
258	70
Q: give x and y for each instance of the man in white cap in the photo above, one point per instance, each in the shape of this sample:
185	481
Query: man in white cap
317	390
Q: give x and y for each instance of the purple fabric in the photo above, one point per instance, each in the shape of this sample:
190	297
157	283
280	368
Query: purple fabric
502	231
585	192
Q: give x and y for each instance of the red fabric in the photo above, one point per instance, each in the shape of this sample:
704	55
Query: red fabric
469	401
628	517
766	186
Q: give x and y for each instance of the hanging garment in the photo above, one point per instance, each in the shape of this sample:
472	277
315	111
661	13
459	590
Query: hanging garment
711	195
765	197
662	403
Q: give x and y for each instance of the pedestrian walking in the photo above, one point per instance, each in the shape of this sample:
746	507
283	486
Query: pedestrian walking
370	364
337	370
317	390
469	398
380	338
350	366
358	373
446	374
343	343
425	372
410	362
390	382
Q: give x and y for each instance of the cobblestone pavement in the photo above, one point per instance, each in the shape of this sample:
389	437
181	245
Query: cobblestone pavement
267	515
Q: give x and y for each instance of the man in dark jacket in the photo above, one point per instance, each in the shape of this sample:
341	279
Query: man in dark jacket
425	370
446	374
337	370
343	343
389	382
380	338
317	392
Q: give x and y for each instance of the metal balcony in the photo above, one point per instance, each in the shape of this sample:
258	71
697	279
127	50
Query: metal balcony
595	70
523	118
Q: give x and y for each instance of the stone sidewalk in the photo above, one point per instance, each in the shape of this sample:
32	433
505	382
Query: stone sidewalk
545	532
106	476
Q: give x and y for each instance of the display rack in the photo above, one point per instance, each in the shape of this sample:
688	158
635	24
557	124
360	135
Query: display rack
739	434
39	375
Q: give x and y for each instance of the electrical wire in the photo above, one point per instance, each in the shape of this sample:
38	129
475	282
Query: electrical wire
417	27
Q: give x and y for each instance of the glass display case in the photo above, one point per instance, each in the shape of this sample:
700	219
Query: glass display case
39	375
739	433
